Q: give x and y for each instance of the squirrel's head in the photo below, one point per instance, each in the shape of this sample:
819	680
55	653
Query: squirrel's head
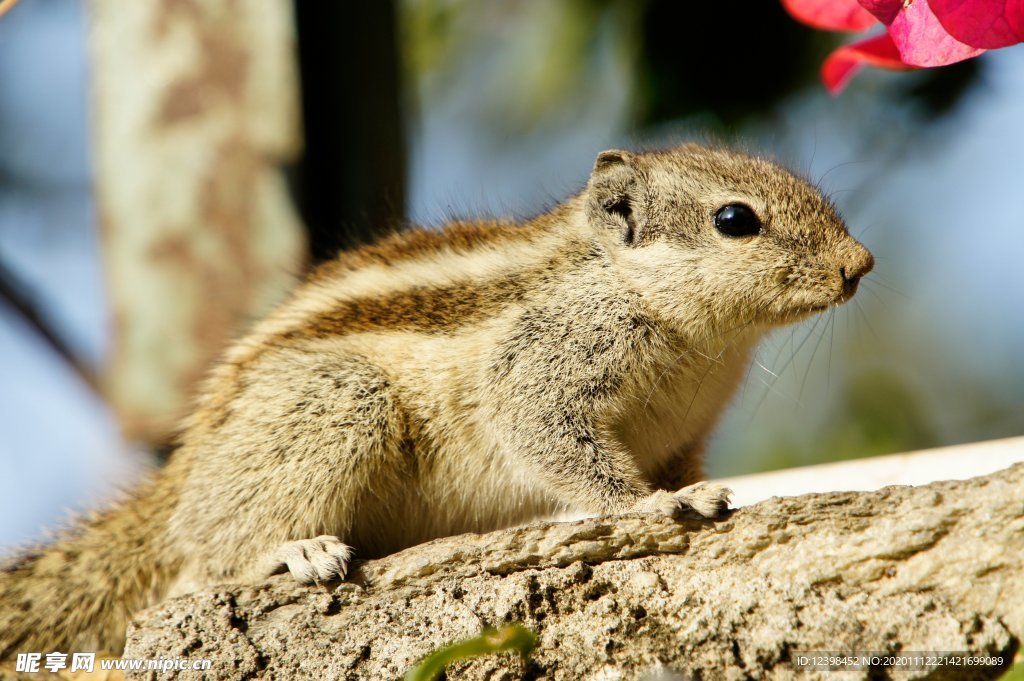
720	239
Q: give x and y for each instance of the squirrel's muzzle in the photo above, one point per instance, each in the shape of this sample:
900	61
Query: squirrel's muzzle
859	262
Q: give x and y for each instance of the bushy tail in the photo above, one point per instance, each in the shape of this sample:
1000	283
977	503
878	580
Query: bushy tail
78	593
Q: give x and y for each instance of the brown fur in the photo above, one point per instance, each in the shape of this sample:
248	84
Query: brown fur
424	308
460	380
457	237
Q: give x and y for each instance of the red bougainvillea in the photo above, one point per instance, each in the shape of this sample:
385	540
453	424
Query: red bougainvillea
918	33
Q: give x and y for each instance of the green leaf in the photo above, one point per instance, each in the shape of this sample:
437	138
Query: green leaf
514	637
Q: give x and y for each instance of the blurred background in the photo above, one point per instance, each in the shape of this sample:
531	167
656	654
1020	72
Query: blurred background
169	168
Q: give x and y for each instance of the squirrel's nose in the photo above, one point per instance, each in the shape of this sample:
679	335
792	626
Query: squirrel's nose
859	263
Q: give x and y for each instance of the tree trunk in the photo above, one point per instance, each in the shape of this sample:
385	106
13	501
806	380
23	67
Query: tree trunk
195	110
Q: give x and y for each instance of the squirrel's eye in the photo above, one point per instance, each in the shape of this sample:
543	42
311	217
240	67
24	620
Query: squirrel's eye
737	220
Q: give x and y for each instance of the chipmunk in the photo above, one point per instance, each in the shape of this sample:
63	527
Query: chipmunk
463	380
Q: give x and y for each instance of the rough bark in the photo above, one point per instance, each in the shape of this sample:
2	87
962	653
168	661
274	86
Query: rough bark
932	568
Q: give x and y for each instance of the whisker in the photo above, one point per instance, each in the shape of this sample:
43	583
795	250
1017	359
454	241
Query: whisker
832	194
810	332
810	362
878	297
874	281
772	389
836	167
859	234
831	343
792	356
700	384
866	321
765	369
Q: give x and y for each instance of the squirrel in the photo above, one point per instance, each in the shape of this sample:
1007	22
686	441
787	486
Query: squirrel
462	380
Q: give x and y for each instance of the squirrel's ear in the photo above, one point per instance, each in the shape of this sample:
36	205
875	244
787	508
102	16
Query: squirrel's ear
614	193
610	158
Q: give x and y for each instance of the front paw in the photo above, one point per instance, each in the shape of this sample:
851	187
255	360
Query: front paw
312	561
700	500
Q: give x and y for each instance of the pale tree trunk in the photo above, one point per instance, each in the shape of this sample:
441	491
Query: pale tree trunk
194	114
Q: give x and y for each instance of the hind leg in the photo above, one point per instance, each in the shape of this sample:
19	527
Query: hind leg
275	486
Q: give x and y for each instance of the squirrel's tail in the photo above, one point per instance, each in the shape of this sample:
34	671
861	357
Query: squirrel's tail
78	593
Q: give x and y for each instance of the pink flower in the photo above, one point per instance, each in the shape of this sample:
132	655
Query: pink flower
919	33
